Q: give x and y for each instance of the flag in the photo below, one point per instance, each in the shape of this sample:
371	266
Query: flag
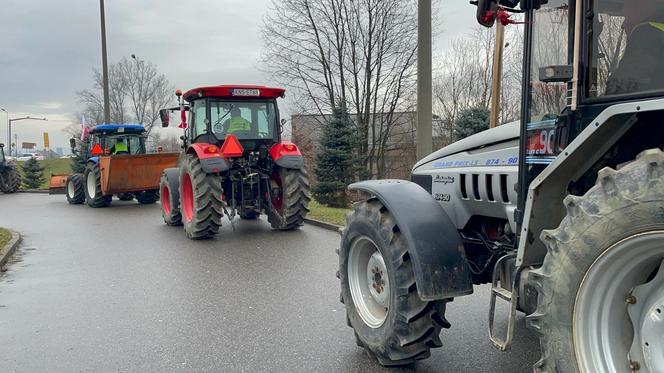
84	128
183	117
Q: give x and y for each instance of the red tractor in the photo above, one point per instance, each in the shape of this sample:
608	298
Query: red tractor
233	163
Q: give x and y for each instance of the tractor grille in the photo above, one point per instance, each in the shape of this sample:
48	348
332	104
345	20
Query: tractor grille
425	181
470	187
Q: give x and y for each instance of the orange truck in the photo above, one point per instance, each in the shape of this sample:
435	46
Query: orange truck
117	164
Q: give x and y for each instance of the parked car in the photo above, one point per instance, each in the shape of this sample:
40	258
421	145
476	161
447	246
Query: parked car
28	156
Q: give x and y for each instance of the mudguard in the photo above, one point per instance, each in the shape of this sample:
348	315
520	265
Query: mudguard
287	155
211	161
435	247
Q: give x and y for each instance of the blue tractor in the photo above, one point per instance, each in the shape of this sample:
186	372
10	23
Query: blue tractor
112	160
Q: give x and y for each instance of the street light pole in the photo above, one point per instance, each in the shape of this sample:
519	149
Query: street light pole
9	126
9	136
424	94
104	63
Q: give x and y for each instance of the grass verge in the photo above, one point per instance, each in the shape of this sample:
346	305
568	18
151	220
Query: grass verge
51	166
5	236
330	215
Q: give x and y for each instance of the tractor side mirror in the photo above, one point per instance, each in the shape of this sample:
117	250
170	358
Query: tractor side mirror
487	12
282	123
72	143
165	116
2	145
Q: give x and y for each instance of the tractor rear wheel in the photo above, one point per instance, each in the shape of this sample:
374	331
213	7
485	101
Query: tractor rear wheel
12	180
601	287
200	200
75	189
93	194
290	198
169	186
379	291
147	197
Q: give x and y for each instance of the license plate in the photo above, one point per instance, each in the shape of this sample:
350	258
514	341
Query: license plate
246	92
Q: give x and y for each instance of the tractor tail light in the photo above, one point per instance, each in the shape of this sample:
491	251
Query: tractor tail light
211	149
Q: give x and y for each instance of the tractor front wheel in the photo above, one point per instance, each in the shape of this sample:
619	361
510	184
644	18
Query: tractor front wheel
290	198
75	192
169	186
93	194
200	200
147	197
601	287
379	291
125	196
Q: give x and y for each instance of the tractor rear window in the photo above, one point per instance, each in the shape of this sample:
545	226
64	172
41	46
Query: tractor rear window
244	119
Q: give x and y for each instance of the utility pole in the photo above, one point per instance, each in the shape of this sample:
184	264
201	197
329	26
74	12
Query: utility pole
104	63
424	96
497	75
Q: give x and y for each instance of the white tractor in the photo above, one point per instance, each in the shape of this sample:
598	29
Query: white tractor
562	212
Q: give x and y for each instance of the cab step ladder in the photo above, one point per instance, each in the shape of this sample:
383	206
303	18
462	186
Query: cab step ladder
498	291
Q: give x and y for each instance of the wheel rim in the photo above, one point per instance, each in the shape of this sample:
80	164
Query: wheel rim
70	189
187	198
91	183
166	200
608	328
368	281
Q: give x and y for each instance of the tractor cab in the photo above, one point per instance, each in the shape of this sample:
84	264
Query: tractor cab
115	139
249	113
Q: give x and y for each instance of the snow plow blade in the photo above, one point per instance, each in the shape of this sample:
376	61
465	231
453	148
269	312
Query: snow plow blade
133	173
57	184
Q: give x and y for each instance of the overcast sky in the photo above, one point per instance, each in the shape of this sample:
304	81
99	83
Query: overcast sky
49	48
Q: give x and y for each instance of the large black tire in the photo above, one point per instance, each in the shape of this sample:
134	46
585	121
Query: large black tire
11	178
75	192
622	204
292	205
93	194
125	196
169	186
411	326
201	201
147	197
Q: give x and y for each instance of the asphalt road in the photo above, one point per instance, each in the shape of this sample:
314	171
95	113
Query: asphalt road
116	290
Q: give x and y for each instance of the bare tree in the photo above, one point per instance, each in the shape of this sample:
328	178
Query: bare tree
463	77
137	92
361	52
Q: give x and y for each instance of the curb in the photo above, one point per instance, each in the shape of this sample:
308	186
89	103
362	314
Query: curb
33	191
324	225
10	248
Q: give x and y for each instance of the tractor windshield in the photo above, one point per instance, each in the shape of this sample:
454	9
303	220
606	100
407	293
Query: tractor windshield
121	144
244	119
627	48
549	48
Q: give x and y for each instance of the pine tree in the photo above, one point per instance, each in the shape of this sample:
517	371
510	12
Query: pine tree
33	174
334	160
471	121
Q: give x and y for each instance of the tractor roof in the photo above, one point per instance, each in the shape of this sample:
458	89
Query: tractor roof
234	91
118	128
